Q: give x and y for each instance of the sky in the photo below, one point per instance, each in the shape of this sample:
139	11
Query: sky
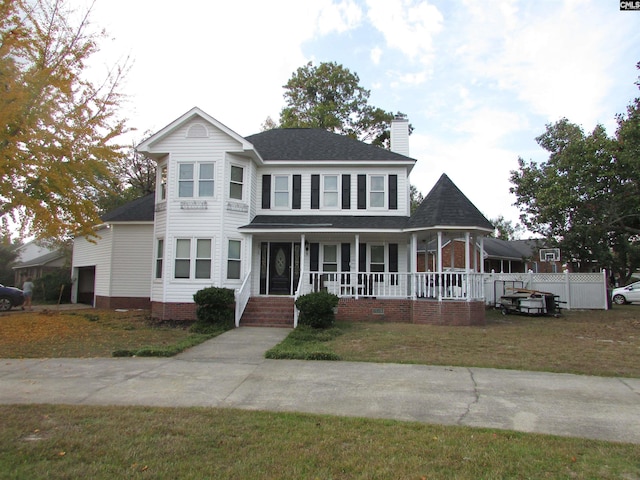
478	80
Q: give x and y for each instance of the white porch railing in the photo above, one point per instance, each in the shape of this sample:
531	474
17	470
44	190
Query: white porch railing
242	295
441	286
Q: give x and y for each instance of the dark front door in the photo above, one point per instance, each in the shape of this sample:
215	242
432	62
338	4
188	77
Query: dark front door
280	269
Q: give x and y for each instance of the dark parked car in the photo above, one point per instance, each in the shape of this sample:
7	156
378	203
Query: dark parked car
10	297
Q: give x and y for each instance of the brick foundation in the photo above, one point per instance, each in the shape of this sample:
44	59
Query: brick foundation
411	311
173	311
418	311
123	302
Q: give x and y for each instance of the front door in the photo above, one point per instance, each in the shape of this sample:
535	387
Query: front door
280	269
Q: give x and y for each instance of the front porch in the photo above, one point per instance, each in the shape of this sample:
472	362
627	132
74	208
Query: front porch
437	298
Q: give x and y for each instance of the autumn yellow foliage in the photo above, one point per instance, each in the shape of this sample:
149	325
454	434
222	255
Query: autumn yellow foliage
58	130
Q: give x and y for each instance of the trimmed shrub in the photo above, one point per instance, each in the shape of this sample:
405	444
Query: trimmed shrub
215	306
317	309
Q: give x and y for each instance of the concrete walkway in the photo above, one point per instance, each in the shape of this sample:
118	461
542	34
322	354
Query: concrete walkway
231	371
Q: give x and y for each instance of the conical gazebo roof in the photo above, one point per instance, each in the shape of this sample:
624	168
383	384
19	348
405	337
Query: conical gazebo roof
447	208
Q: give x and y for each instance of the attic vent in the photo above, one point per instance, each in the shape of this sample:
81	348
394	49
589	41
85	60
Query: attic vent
197	131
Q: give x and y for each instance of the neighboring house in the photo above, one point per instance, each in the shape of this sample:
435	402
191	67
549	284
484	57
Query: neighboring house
36	260
279	214
500	256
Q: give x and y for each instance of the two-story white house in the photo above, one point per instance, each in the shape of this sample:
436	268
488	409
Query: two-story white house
279	214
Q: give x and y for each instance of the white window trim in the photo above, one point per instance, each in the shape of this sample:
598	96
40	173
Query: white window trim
233	259
159	256
242	184
385	250
274	191
193	250
323	190
384	191
196	178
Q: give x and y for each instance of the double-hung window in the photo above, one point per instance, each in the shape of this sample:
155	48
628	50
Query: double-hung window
281	191
183	258
376	191
203	258
195	180
234	260
330	191
236	182
377	258
197	249
159	257
163	183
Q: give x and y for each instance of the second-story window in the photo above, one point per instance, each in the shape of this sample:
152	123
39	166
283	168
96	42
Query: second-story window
376	191
330	191
163	183
236	183
281	191
189	186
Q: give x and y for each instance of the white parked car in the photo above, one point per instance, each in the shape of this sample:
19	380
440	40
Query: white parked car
628	294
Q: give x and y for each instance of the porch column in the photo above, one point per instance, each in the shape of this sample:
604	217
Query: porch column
414	264
467	260
439	274
302	258
357	269
482	254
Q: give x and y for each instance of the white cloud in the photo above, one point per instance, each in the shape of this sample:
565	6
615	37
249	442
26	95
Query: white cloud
338	17
375	55
407	25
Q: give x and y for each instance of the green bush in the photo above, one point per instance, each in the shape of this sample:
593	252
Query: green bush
215	305
317	309
48	287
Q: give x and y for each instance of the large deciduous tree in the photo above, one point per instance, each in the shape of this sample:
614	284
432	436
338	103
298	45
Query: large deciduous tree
330	97
586	197
57	128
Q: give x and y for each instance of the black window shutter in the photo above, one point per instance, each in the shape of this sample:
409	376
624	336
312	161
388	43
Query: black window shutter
362	192
315	192
393	257
345	260
297	192
393	192
362	261
345	257
346	192
266	191
314	256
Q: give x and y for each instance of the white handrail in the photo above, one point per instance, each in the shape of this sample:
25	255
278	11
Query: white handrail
242	295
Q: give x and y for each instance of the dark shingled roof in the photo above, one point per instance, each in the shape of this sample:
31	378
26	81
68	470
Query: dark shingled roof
446	205
313	144
350	222
139	210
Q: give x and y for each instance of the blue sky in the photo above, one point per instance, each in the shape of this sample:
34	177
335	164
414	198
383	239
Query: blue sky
479	80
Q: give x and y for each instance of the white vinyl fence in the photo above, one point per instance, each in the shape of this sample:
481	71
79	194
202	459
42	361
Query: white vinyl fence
575	290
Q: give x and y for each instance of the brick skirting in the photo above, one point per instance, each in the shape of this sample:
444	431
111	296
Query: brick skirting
419	311
123	302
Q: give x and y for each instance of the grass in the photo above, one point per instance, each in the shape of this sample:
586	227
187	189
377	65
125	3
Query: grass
605	343
91	333
39	442
56	441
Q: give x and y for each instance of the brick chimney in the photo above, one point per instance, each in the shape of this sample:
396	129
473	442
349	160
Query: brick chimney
400	134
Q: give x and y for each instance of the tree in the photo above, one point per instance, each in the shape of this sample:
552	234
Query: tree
415	198
330	97
57	129
586	197
505	229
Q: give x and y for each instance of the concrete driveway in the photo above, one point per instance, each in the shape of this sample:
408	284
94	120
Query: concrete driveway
231	371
